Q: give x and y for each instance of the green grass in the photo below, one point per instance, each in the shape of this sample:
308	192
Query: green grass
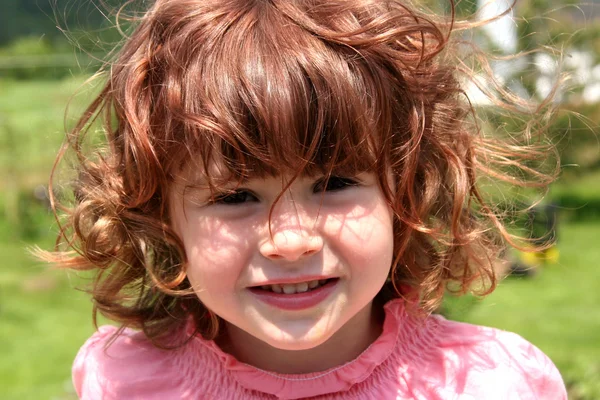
585	187
32	125
43	321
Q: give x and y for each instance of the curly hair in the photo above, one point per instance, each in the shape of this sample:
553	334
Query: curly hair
298	86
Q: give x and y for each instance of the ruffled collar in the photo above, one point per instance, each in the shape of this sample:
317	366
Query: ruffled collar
396	324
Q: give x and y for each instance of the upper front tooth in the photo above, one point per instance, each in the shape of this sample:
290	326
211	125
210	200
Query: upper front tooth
277	288
289	289
301	287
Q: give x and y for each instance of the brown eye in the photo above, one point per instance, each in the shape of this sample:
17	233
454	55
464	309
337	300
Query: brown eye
334	183
234	197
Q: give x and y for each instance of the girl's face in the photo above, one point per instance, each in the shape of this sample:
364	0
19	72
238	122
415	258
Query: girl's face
326	256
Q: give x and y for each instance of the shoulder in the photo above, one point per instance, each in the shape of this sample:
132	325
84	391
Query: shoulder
127	366
488	359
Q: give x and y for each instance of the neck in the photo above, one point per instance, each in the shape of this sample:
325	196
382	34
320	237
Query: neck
344	346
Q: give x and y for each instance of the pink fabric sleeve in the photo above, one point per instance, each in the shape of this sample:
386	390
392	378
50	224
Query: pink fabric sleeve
129	368
499	363
541	378
85	367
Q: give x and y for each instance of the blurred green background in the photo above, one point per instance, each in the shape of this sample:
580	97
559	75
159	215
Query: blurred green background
552	300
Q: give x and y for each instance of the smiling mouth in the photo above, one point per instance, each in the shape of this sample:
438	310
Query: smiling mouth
293	288
296	296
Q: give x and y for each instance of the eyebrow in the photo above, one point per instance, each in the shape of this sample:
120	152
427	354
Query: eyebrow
202	181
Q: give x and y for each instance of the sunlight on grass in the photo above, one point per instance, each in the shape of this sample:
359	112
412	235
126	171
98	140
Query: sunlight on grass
44	321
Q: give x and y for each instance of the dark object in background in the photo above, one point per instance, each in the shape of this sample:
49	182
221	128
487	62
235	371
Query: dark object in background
542	222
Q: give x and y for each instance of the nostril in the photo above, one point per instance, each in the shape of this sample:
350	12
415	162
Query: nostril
289	254
291	246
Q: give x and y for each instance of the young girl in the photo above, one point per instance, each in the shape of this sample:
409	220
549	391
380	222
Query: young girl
285	191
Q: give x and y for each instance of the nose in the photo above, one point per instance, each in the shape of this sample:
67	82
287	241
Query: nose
292	235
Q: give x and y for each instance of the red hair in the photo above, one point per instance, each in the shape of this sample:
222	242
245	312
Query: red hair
311	87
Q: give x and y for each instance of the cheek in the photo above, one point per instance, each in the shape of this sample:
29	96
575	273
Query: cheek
365	236
217	253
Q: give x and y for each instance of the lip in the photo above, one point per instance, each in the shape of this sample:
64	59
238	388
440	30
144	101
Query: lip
292	281
296	301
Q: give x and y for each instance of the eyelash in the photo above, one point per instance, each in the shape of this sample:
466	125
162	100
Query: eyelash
229	198
345	182
334	184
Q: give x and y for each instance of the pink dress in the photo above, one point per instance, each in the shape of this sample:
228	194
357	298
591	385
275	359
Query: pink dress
430	358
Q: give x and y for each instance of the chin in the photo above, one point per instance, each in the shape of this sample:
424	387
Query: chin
283	340
296	345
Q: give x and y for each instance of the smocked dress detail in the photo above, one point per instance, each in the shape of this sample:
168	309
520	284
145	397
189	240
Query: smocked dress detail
413	358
